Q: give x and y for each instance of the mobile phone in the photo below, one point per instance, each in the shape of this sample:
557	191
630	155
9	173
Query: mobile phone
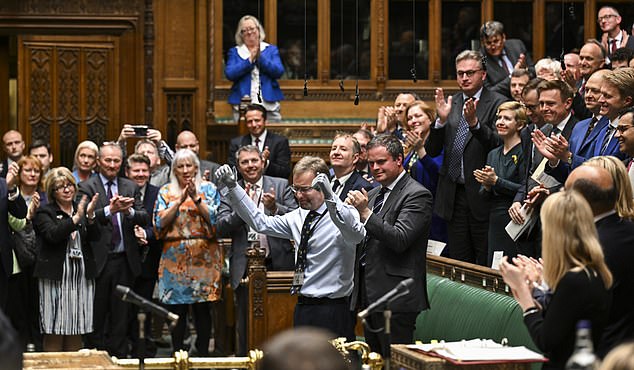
140	130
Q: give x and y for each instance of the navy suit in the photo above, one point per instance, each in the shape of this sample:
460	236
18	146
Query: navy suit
17	208
279	159
611	149
113	268
355	182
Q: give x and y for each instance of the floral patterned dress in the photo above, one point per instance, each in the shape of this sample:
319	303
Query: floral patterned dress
191	263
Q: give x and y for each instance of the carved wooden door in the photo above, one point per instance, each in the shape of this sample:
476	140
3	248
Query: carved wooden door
67	89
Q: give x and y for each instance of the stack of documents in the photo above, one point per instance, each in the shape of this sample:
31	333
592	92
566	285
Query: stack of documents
481	351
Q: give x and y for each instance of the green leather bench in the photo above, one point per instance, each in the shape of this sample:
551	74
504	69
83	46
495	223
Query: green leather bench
460	311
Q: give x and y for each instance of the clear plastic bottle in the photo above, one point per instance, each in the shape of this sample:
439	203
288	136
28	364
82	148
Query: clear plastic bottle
583	357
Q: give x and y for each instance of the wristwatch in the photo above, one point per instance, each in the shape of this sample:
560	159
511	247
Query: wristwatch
570	159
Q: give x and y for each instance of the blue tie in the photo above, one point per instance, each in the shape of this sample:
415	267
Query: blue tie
455	156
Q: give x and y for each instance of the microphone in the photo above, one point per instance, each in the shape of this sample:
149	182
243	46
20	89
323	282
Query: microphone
127	295
401	288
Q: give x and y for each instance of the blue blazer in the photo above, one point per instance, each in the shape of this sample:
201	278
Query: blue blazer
581	150
613	146
239	69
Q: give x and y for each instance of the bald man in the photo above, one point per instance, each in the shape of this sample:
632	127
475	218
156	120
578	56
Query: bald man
188	140
616	236
13	146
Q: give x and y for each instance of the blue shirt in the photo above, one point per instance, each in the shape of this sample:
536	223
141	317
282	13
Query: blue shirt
331	247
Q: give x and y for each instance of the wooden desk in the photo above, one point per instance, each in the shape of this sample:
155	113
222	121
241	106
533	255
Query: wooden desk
404	358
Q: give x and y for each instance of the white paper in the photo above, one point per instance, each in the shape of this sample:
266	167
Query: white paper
497	259
479	350
515	230
434	247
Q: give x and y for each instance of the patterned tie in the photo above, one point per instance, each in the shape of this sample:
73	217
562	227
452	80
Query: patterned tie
257	142
300	264
606	139
116	233
455	156
593	122
378	202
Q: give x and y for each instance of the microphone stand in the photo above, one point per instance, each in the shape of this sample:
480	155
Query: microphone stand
387	351
141	343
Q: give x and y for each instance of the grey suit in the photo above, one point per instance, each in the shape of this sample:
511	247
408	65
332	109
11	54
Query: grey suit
394	249
282	254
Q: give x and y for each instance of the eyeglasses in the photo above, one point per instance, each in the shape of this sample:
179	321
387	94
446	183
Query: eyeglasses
622	128
532	108
493	41
65	187
301	189
467	73
606	17
248	30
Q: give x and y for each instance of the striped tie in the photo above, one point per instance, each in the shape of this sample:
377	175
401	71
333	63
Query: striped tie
378	202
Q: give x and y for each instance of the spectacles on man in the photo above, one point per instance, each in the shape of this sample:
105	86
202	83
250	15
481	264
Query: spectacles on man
244	31
605	17
301	189
469	74
66	187
622	128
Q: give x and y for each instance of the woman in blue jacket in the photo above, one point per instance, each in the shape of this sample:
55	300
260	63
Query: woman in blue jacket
254	67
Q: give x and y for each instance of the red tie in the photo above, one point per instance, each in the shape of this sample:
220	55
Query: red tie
613	46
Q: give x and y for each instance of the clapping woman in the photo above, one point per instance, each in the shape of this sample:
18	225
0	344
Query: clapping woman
573	268
191	263
502	177
254	67
65	264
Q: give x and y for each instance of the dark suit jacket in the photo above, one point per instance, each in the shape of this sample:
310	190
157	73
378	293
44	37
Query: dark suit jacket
279	160
17	208
53	228
4	168
532	162
149	266
479	143
231	225
612	148
211	166
396	244
617	239
498	79
355	182
102	245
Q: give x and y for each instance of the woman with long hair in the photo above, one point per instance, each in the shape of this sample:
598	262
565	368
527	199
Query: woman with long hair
191	263
574	268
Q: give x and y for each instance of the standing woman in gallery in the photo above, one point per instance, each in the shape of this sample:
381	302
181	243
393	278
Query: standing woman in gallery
254	67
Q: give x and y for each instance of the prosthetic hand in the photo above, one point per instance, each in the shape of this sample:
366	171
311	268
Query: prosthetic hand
322	183
225	175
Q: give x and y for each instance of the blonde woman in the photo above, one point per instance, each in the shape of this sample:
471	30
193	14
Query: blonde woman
574	269
85	161
616	168
502	177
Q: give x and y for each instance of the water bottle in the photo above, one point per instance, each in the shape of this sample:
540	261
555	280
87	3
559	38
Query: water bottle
583	357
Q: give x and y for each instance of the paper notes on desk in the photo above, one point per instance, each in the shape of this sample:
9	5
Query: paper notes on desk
480	351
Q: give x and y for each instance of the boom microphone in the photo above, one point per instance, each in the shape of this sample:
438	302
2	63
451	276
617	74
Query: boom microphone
127	295
401	288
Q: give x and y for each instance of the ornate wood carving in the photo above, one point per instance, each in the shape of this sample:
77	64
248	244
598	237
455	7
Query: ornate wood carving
180	107
211	65
68	138
380	51
96	85
41	85
148	47
65	7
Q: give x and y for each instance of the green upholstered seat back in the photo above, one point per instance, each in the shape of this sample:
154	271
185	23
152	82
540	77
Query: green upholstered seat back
459	311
